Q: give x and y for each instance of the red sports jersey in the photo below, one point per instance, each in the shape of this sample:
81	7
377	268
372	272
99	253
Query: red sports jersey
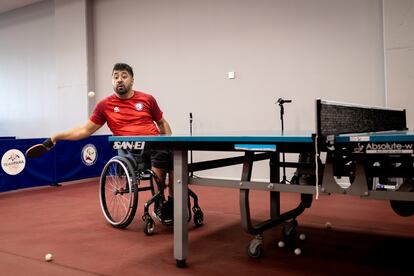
128	117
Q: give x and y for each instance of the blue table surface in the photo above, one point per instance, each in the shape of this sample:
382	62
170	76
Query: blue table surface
237	137
383	136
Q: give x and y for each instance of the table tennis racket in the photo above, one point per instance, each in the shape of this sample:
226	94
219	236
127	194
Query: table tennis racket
39	149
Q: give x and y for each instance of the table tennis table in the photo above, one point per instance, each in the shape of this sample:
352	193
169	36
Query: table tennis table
347	156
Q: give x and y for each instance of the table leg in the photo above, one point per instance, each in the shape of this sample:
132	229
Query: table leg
274	178
180	207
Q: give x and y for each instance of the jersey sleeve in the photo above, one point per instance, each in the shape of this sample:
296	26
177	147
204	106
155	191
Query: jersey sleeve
98	115
156	112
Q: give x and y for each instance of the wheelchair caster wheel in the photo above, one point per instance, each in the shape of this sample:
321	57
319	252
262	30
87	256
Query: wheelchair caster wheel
255	248
149	225
198	217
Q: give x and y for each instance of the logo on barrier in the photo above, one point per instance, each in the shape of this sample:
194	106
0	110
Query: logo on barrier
89	154
13	161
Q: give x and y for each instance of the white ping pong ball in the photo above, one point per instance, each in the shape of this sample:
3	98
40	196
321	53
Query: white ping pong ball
328	225
298	251
48	257
281	244
302	237
91	94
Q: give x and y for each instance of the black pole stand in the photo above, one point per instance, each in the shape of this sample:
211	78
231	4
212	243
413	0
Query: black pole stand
191	134
280	101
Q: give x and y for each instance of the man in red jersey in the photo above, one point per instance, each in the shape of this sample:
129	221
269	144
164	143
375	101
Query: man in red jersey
127	113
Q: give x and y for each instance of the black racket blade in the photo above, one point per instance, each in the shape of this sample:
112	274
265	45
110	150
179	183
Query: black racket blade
36	151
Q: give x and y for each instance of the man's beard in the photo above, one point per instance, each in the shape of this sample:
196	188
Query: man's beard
121	90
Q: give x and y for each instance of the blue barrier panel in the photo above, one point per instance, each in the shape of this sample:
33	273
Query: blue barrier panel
7	137
67	161
19	172
82	159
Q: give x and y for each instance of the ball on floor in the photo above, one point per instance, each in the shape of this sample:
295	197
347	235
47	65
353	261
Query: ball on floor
298	251
48	257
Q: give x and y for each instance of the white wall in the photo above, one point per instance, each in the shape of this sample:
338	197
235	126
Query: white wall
71	55
399	53
27	71
182	50
43	68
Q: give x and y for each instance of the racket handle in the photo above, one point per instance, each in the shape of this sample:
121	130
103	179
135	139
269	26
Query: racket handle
48	143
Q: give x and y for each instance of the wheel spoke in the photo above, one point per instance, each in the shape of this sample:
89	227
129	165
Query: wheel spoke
118	198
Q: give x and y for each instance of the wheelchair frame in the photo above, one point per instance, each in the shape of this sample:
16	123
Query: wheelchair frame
119	185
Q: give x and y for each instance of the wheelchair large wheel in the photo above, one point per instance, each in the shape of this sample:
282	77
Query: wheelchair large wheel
118	192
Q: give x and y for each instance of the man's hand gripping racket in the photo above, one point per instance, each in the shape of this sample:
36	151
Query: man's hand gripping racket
39	149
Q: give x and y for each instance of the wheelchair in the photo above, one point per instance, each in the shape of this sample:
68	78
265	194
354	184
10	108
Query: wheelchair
120	182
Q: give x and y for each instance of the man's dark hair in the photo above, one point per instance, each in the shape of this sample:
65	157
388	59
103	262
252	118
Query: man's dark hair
123	67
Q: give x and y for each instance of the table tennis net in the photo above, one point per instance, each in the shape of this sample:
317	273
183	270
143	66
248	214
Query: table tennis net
335	118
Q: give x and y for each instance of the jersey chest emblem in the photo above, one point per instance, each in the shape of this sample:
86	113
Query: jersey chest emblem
139	106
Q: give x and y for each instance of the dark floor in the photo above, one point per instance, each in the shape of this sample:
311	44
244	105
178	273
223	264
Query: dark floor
366	237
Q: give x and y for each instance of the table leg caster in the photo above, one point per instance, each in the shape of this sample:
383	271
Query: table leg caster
180	263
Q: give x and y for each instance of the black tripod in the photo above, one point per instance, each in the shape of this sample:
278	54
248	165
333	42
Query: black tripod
280	102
